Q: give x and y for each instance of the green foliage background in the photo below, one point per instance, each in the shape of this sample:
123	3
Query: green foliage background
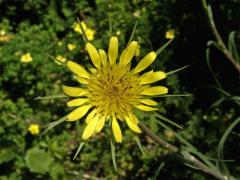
37	26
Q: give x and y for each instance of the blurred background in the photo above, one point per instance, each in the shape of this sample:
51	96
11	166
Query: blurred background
38	36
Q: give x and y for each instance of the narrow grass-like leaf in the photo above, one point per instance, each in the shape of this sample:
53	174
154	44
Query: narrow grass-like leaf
177	70
163	47
132	34
189	147
232	46
158	170
78	150
51	97
220	152
168	120
55	123
113	154
217	103
83	32
209	64
139	145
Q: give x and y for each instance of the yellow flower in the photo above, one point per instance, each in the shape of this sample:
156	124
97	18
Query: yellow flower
26	58
113	90
34	129
170	34
71	47
60	59
76	27
90	34
88	31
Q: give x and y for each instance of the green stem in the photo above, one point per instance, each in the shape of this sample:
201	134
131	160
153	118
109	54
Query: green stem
188	157
223	48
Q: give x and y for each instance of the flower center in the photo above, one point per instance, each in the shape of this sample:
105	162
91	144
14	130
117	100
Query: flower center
114	89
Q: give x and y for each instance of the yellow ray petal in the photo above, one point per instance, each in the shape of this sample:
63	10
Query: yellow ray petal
77	69
90	128
132	125
156	90
149	102
153	77
122	56
94	55
100	124
116	130
78	113
91	116
146	108
74	91
146	74
133	118
128	53
103	57
93	70
77	102
145	62
81	80
113	50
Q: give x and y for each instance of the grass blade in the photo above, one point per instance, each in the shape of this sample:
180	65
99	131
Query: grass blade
220	152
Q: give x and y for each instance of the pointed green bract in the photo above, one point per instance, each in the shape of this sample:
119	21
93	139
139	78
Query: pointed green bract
78	150
163	47
113	155
168	120
55	123
139	145
51	97
177	70
132	34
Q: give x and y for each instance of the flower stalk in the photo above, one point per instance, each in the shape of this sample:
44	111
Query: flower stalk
186	155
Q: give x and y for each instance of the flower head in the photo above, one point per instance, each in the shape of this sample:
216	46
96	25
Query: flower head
113	90
170	34
34	129
26	58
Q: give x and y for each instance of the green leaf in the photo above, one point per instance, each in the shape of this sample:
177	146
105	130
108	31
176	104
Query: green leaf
6	154
139	145
220	152
55	123
38	161
232	46
78	150
158	170
51	97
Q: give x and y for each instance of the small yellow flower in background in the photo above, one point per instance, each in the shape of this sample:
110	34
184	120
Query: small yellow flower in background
118	32
112	90
4	37
77	28
89	32
60	59
26	58
71	47
170	34
34	129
